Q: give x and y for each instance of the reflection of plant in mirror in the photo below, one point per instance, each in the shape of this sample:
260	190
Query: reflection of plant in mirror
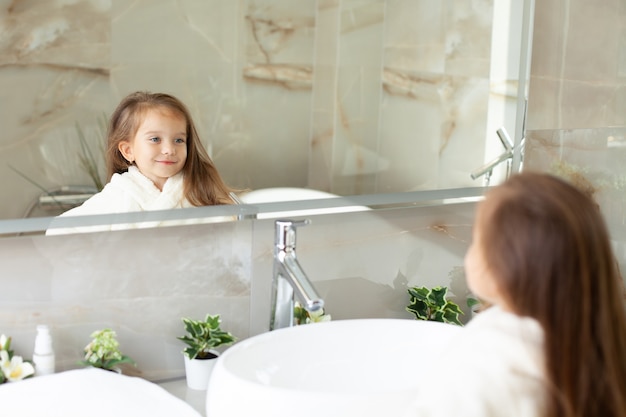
87	160
464	298
578	176
302	316
473	304
432	305
587	180
21	174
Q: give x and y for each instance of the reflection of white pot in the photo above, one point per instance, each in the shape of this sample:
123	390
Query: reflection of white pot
198	371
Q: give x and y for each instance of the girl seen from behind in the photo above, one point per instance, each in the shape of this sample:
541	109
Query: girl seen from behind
553	342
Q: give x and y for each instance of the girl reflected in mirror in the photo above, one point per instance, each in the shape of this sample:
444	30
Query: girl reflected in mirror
155	160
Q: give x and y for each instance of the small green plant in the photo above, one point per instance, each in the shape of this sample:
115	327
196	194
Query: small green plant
302	316
202	336
432	305
88	162
104	352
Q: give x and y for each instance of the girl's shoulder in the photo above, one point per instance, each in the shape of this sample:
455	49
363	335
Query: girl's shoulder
501	335
495	363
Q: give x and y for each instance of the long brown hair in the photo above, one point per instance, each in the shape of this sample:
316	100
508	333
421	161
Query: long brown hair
203	185
548	246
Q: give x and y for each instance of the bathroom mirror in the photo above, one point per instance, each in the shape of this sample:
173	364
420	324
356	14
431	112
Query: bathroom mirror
352	98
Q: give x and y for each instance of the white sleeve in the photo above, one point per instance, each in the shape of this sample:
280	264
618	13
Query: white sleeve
112	199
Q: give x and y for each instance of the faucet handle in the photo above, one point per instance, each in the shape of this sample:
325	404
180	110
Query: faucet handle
285	237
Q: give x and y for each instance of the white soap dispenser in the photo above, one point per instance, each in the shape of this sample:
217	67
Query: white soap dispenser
43	357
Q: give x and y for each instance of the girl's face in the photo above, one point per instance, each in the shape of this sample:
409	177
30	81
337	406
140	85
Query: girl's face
159	147
480	280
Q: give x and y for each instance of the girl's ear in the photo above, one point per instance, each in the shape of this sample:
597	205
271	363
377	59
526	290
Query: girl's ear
126	151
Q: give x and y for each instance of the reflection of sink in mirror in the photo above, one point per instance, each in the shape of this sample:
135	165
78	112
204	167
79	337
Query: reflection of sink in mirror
363	367
284	194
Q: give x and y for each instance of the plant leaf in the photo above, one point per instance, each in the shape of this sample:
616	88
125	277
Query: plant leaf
87	160
438	316
438	296
419	293
450	306
450	316
420	309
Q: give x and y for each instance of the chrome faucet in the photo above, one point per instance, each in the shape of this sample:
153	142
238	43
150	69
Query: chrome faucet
289	279
507	156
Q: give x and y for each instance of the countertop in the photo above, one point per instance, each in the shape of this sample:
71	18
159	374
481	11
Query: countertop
178	388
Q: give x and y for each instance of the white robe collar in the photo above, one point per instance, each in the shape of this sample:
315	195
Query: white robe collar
147	195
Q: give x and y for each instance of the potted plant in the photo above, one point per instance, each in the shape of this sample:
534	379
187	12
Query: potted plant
103	352
432	305
202	338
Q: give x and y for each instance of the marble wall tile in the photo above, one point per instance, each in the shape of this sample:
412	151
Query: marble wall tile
138	283
576	106
593	159
362	263
54	72
575	84
324	101
415	47
141	282
423	103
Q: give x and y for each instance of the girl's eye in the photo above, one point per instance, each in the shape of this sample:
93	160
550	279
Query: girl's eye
180	140
154	139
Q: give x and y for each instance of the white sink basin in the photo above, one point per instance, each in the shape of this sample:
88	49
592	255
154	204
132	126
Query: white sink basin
285	194
90	392
366	367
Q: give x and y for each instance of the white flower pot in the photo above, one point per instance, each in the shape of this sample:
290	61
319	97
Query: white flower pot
198	372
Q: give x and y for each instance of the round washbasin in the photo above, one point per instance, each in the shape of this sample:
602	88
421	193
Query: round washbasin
286	194
365	367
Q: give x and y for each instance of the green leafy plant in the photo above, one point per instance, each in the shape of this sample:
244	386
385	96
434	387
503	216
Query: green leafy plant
88	162
202	336
103	351
302	316
432	305
12	367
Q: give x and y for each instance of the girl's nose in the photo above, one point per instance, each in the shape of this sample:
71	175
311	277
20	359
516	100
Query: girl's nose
168	149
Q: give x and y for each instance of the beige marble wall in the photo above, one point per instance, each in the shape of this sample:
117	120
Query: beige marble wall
578	66
141	282
363	96
577	101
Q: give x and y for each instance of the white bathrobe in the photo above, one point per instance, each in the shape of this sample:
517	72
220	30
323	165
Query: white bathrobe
128	192
494	367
